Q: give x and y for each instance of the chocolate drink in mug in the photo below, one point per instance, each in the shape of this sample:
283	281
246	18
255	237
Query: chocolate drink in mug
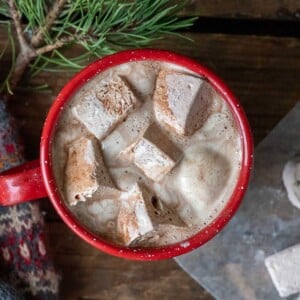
146	154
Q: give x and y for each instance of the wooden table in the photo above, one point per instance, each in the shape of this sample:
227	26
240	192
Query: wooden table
255	47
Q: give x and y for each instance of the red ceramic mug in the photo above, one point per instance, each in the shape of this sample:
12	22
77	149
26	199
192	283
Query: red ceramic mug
35	179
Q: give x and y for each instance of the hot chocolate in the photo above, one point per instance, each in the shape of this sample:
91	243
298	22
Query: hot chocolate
146	154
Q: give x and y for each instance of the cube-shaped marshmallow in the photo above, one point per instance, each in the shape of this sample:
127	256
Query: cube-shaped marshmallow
141	213
284	269
102	109
154	153
154	163
181	101
160	139
85	171
133	220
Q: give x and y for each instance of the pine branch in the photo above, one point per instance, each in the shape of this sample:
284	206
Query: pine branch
101	27
53	14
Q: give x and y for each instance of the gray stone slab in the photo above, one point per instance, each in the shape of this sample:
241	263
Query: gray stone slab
231	266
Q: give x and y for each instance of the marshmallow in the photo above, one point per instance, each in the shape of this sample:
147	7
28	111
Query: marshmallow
197	182
127	133
291	180
154	163
100	212
133	220
100	215
141	214
102	109
284	269
181	101
154	154
85	171
157	137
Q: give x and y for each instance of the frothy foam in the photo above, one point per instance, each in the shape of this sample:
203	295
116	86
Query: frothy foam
176	140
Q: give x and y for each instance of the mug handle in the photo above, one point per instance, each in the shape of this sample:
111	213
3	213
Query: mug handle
22	183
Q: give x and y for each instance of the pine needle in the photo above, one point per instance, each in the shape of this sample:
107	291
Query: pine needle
100	27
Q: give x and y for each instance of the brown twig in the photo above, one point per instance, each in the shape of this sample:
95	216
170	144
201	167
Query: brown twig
16	17
57	44
22	62
52	15
26	52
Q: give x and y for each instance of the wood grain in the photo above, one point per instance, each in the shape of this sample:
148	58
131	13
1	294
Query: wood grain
268	9
263	72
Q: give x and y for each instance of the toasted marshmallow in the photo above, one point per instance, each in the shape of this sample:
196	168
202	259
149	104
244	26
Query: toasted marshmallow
140	215
85	171
102	109
284	270
291	180
133	220
181	101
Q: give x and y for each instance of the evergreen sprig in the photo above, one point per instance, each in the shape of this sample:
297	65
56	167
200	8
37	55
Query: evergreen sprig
101	27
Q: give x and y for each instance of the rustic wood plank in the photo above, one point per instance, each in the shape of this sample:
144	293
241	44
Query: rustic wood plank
270	9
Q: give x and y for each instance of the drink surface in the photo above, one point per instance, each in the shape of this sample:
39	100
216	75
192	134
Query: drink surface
146	153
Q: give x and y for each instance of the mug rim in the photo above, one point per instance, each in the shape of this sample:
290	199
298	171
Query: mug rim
146	253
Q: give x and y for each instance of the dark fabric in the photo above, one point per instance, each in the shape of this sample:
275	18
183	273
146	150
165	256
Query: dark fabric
22	249
7	292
